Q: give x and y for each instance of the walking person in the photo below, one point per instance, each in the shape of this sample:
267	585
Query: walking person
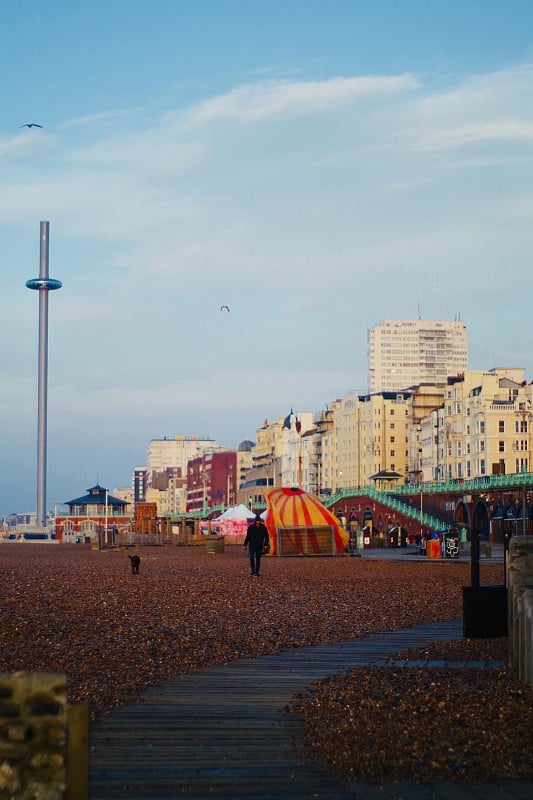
258	542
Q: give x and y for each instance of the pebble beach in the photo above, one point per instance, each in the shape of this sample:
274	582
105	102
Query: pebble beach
81	612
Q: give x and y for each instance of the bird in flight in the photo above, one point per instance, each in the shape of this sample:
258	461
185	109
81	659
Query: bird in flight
224	307
31	125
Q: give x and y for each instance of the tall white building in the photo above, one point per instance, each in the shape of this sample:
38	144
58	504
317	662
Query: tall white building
177	451
404	353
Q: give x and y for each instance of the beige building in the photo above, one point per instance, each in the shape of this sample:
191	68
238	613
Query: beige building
166	472
371	436
424	400
484	427
404	353
263	471
177	451
348	470
384	426
296	428
292	451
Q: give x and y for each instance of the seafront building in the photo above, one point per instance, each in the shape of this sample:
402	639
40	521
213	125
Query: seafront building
404	353
474	424
425	417
165	480
212	480
483	427
94	517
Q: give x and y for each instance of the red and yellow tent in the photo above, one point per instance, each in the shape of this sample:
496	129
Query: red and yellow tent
299	524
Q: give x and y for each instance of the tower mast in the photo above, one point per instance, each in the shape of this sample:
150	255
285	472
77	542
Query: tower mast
43	284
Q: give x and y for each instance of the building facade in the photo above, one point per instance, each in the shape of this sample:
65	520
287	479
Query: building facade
404	353
483	428
212	480
94	517
165	480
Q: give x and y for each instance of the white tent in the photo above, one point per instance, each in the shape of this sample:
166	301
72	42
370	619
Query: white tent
233	523
237	512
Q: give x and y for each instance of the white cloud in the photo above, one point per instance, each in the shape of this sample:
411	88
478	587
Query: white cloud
101	118
364	203
273	99
474	133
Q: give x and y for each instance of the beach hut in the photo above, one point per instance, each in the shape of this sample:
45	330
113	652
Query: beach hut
300	525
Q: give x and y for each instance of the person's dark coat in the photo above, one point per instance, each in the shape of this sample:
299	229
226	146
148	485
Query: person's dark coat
257	536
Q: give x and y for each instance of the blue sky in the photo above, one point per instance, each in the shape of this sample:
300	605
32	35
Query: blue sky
317	166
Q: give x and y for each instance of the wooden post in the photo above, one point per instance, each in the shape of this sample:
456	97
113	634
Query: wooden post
78	752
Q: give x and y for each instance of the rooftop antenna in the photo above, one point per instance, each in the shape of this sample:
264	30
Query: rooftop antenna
43	284
418	310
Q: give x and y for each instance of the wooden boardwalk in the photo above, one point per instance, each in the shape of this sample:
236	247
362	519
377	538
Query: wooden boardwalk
221	732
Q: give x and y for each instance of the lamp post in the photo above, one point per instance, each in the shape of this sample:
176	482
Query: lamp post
204	498
106	513
526	416
421	510
299	432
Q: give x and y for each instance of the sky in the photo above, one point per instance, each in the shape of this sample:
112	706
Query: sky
318	167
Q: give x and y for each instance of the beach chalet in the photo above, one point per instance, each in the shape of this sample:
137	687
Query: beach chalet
95	517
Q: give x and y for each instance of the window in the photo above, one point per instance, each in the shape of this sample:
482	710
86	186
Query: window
482	426
501	447
501	426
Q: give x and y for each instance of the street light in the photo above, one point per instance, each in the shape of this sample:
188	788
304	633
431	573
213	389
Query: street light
526	416
421	511
106	511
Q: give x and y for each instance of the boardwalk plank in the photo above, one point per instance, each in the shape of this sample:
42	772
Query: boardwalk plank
221	732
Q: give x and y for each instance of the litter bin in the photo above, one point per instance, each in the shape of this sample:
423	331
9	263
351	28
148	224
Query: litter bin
451	545
433	548
214	544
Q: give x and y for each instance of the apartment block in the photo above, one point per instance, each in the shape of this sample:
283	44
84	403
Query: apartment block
405	353
212	480
384	427
483	428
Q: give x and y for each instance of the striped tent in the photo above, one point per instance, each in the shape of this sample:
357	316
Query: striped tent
299	524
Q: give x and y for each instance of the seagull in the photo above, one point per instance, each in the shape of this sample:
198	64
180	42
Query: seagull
224	307
31	125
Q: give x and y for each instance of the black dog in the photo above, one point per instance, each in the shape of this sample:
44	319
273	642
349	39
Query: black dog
135	564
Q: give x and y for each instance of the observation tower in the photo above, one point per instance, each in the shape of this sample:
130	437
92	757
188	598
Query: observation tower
43	284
